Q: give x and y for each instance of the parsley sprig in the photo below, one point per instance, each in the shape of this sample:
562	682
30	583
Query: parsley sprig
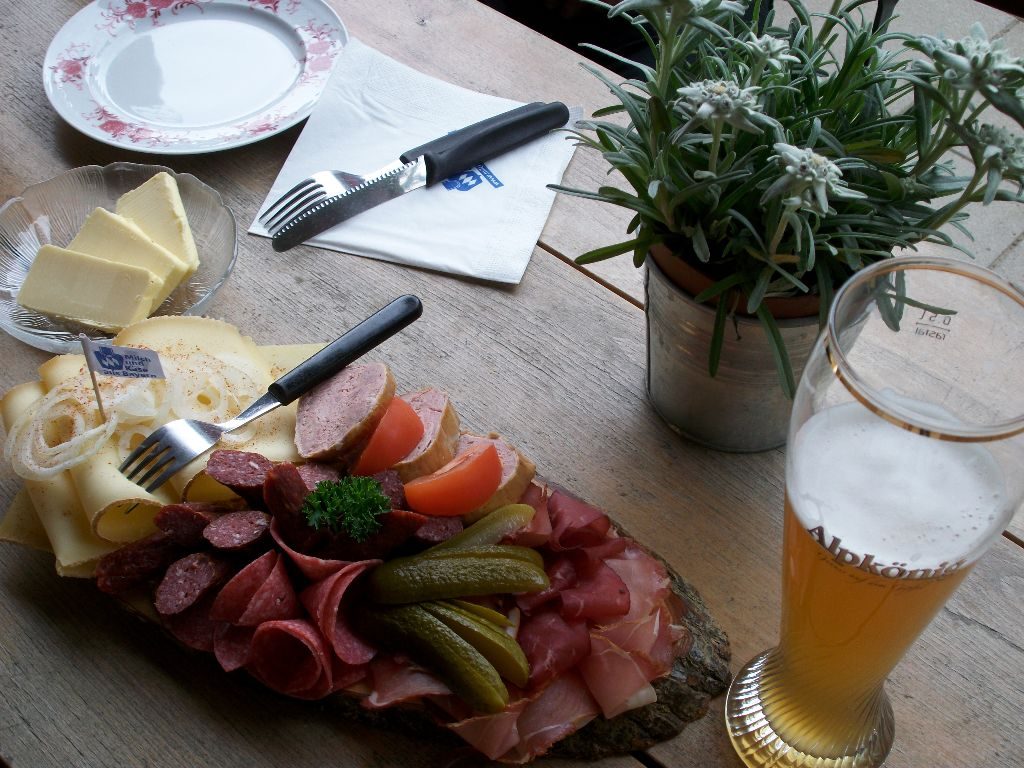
352	504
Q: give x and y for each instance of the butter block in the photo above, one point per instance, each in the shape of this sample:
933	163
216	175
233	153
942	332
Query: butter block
87	289
156	208
109	236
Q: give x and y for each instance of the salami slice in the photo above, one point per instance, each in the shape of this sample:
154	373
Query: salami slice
238	530
313	568
232	645
187	580
193	626
134	564
259	592
241	471
438	529
324	601
292	658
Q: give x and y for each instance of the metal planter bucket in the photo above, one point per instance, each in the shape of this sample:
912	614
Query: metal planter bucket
742	408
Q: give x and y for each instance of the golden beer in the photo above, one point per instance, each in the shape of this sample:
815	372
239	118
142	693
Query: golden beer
906	441
875	542
843	630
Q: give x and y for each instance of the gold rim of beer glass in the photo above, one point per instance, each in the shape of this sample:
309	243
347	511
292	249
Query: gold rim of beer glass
902	468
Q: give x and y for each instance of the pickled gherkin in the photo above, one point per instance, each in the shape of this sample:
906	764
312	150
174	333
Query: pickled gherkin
413	579
413	630
498	648
491	529
492	550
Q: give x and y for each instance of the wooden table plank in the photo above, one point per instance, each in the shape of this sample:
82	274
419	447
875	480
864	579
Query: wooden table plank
556	364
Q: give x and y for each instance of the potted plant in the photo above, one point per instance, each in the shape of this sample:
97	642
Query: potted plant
766	164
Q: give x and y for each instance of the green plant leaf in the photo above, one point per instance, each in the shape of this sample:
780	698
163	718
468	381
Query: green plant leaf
608	251
779	353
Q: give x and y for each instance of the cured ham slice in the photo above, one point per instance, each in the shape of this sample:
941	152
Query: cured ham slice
614	678
552	645
397	681
324	601
538	530
335	418
598	596
259	592
292	658
574	523
562	708
492	735
440	434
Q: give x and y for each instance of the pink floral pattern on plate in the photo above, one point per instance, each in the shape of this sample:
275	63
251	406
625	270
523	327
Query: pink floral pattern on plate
130	12
71	64
80	47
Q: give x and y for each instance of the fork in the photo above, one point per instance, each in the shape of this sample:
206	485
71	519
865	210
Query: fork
168	449
306	193
438	159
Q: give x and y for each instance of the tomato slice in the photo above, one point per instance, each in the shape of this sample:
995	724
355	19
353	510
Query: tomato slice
460	486
399	431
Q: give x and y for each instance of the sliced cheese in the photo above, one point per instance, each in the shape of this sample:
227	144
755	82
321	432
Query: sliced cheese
112	237
20	524
87	289
116	509
55	500
157	209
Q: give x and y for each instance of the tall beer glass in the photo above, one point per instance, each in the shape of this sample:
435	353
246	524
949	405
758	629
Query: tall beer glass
905	462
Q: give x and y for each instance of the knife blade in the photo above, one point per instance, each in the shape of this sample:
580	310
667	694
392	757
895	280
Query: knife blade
424	166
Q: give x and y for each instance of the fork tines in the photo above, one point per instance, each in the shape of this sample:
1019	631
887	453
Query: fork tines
299	197
150	457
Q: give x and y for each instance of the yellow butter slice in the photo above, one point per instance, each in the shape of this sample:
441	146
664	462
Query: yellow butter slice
115	238
86	289
156	208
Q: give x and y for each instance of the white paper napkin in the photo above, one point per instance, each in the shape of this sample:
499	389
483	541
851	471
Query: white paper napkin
484	223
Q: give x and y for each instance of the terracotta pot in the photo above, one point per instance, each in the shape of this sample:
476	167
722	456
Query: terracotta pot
742	408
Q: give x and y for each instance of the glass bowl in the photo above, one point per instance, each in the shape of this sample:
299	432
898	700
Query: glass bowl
54	210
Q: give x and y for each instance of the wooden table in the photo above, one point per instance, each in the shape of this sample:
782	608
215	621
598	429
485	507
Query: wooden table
556	363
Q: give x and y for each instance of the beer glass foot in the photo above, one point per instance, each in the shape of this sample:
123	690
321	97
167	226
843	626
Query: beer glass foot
759	745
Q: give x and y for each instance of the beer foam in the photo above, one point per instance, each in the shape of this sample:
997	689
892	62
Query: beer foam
886	491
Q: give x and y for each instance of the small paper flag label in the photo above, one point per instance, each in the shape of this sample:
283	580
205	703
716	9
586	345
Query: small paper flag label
128	362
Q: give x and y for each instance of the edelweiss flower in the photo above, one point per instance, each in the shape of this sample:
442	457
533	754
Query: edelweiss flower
973	63
772	52
711	102
1003	149
808	180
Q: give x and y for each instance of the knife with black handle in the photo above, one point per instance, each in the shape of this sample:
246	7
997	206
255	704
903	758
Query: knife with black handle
423	166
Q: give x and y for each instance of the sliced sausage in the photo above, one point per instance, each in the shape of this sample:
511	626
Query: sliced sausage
440	434
187	580
284	493
517	473
184	522
391	485
238	530
241	471
135	563
336	418
314	472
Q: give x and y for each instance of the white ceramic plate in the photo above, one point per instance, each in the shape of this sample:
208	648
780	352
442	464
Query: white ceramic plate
187	76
